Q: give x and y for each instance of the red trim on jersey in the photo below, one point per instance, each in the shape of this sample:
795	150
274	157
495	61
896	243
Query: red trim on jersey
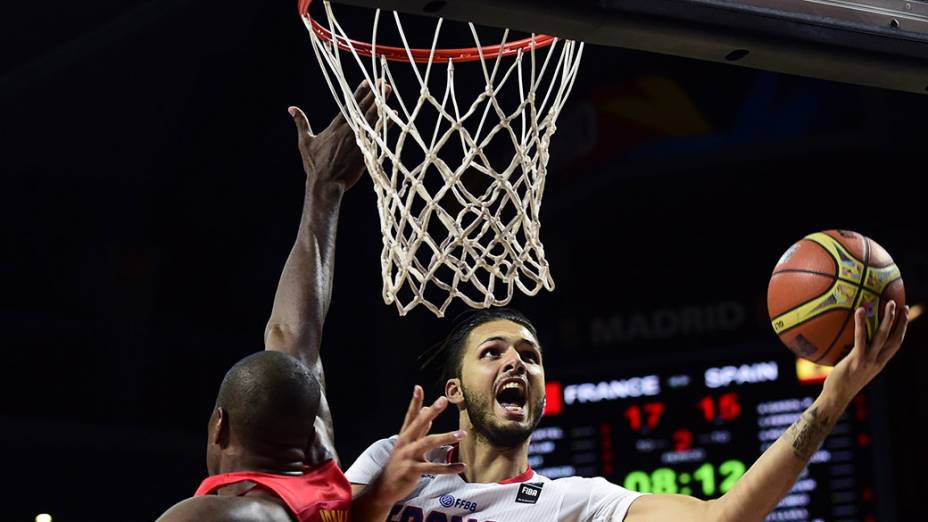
521	477
322	488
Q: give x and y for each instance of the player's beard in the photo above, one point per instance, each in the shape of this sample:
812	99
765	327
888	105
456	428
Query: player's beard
511	435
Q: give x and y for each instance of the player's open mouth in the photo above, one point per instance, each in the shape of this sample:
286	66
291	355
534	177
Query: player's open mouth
510	396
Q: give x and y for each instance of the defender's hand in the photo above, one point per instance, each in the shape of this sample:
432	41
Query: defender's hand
407	463
866	360
333	155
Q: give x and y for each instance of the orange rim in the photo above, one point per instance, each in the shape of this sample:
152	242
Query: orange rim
399	54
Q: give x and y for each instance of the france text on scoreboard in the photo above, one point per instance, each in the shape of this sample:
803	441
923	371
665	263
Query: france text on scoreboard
694	428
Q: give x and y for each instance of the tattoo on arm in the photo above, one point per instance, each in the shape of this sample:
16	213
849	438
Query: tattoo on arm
808	433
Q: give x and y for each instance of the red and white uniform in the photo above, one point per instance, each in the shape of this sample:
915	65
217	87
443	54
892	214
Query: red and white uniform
527	497
320	494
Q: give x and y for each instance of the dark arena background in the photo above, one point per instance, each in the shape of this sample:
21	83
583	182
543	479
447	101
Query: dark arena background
152	189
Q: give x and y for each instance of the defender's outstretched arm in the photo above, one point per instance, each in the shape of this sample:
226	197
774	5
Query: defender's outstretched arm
333	164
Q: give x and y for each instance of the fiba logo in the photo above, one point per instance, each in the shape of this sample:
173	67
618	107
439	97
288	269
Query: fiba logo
446	500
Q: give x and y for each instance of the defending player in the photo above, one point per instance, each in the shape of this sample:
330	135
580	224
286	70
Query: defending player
270	452
494	374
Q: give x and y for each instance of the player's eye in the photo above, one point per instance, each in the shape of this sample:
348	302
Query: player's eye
490	351
529	356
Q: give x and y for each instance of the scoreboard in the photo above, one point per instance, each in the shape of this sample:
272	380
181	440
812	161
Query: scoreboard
694	426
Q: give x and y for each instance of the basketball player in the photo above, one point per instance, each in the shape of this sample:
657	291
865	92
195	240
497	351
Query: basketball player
494	375
270	451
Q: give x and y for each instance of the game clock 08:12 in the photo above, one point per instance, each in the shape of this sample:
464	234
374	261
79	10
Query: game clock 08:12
705	480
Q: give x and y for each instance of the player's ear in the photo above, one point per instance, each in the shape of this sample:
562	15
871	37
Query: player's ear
453	391
220	431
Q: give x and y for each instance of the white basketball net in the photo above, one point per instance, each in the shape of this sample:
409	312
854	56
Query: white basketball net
484	242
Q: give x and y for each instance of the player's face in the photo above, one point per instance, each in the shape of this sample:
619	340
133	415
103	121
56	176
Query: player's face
503	382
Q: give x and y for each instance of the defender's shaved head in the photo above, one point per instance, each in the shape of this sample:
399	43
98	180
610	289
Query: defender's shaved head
271	400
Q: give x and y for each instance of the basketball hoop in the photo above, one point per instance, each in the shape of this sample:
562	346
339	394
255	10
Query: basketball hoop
450	240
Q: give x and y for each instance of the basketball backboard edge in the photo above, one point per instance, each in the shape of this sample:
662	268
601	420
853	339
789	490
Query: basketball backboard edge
877	43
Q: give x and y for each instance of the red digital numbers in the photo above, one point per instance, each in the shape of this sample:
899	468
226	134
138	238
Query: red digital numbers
707	405
726	408
654	411
648	415
682	440
729	407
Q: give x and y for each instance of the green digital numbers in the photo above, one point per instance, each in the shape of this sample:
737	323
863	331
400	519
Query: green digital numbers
664	480
706	476
638	481
732	471
701	482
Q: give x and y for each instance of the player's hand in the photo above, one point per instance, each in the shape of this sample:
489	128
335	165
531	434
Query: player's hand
407	463
333	155
866	360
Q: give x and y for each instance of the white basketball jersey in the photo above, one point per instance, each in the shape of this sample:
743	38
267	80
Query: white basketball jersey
528	497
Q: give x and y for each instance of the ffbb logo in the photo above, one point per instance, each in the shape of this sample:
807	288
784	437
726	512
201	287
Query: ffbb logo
449	501
528	493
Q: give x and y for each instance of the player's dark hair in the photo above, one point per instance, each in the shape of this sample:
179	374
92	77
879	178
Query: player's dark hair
445	358
271	400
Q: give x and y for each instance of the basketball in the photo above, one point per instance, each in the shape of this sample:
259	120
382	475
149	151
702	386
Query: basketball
819	282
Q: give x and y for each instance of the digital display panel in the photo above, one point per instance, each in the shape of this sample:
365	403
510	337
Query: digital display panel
695	426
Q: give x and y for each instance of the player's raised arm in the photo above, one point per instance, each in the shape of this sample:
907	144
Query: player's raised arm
407	462
333	164
775	472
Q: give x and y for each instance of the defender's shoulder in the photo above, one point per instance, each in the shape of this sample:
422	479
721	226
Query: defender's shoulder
212	508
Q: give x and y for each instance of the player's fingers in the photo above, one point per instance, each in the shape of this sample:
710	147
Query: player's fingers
361	93
368	105
364	97
424	418
860	331
895	339
902	322
888	353
882	333
302	123
421	422
415	404
421	431
431	468
387	91
426	444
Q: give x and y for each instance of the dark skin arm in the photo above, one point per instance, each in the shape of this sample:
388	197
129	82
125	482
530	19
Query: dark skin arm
333	164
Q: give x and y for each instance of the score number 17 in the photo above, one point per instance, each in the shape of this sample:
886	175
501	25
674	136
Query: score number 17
648	415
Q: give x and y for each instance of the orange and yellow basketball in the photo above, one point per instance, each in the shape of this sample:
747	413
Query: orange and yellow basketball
819	282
